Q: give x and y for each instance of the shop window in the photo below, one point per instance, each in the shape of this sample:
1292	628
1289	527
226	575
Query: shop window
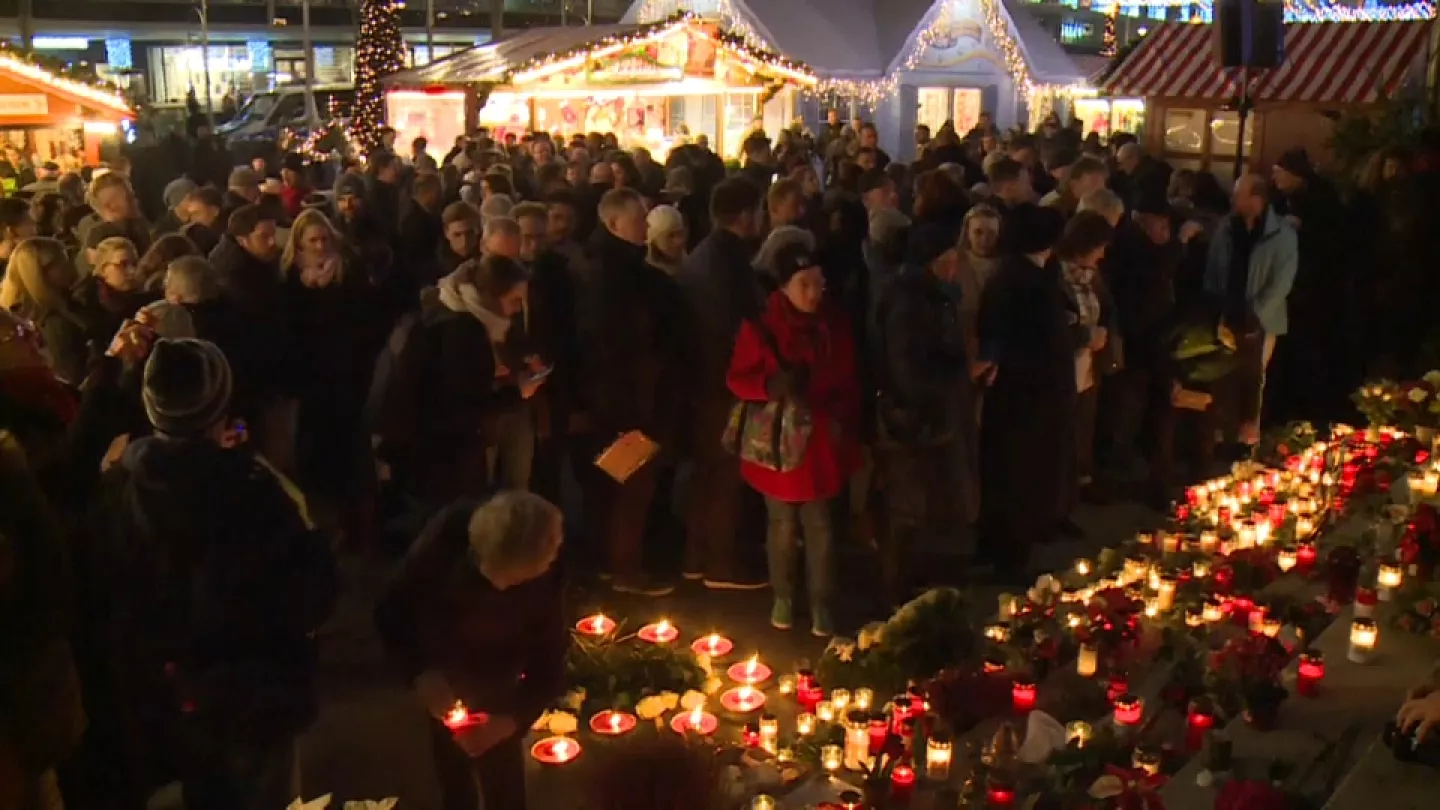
933	109
1185	131
967	109
1225	130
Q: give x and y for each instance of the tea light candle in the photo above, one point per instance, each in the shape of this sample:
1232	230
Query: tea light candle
1008	605
1286	559
825	711
1079	733
769	732
864	698
697	720
555	750
1200	568
1129	710
998	632
786	685
763	802
1165	594
830	757
713	645
742	699
939	752
1022	695
1209	542
749	672
1194	616
1431	485
840	699
661	632
1364	636
597	624
804	724
460	718
1083	567
1087	661
1272	626
1245	538
1304	527
785	755
1388	578
857	740
612	723
1169	543
1152	607
1309	673
1144	538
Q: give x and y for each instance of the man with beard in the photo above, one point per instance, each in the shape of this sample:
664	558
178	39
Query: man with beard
363	229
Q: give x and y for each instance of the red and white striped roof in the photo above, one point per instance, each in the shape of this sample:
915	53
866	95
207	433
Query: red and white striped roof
1329	63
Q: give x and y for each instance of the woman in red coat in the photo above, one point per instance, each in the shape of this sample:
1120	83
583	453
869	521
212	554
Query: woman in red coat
817	369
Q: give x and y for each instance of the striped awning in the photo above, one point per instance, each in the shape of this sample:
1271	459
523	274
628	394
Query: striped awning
1327	63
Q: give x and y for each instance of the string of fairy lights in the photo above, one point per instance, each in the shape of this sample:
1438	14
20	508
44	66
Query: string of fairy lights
379	51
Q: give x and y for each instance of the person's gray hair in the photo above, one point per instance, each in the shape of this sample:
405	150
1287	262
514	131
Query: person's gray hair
500	226
499	205
510	530
955	171
1104	202
780	238
191	280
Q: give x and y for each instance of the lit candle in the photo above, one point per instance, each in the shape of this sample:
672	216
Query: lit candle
1079	733
857	740
1129	710
1087	661
864	698
769	732
1074	620
1432	483
1272	626
804	724
749	672
939	752
713	645
831	757
1169	543
1262	531
1147	760
1364	636
825	711
1152	579
750	735
742	699
697	720
1082	567
1144	538
1310	672
1009	604
1198	720
1152	607
460	717
999	794
840	699
1388	578
998	632
1022	695
1255	622
1201	568
763	802
612	723
1135	568
596	625
1166	593
785	755
1305	557
661	632
1286	559
1209	542
555	750
1194	616
879	732
807	690
1245	538
902	781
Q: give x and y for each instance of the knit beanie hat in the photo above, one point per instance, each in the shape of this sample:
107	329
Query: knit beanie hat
177	190
187	386
791	260
349	185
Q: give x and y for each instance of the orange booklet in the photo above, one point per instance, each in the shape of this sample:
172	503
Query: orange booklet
626	455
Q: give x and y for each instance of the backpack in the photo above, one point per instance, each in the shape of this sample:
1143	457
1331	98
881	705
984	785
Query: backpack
395	407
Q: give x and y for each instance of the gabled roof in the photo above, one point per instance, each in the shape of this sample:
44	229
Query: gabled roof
78	92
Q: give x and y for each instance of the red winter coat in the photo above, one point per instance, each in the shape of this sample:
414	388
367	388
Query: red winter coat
825	345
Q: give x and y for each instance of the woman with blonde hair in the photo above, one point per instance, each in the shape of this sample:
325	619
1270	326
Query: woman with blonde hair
665	239
113	292
37	287
335	326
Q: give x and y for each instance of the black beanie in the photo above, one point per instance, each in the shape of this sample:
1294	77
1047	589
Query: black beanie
1033	228
187	386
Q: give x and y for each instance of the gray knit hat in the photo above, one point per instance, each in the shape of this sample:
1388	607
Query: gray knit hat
187	386
177	190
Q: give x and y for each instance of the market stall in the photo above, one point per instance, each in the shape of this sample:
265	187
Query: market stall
650	84
1329	68
54	118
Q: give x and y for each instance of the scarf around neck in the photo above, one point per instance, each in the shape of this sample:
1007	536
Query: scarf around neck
458	296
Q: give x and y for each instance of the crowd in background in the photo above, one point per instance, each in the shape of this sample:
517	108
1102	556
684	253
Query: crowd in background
214	378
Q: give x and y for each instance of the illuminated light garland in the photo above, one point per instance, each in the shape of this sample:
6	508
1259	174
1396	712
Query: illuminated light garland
31	72
1412	12
379	51
1111	41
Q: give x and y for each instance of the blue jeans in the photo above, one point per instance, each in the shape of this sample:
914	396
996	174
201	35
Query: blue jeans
787	521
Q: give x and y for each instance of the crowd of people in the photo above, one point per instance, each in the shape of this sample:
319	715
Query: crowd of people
208	392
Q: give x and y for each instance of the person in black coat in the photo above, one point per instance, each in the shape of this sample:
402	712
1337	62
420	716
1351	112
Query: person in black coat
721	290
217	583
1025	331
628	325
246	262
422	229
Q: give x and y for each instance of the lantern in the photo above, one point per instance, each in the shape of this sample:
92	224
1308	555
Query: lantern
1364	637
1310	672
1198	720
1129	710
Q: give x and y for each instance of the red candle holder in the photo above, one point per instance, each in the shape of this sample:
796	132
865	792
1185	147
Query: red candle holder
808	692
750	672
999	795
460	718
742	699
1305	557
696	721
1023	695
1117	687
612	723
597	625
661	632
1129	710
713	645
902	781
901	713
1309	673
1200	719
555	750
879	732
750	735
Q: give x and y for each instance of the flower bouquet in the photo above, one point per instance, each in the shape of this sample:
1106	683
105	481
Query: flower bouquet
926	635
1244	675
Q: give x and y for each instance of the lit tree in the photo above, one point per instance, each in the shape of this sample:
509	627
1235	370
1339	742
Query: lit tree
379	51
1109	43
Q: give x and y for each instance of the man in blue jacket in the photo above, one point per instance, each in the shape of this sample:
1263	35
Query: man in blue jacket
1250	270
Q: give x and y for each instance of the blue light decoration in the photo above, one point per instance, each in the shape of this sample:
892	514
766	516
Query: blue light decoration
262	56
118	54
1313	11
1130	11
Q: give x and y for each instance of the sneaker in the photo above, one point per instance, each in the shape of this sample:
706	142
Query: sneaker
642	586
782	615
821	625
744	582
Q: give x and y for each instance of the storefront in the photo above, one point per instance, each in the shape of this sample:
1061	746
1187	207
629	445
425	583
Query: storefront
652	85
54	118
1330	68
240	69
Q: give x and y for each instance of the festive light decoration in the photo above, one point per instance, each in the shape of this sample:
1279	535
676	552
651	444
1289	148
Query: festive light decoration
28	69
1109	43
379	51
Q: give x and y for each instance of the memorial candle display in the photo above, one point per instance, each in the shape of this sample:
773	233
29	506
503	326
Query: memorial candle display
1364	636
1078	733
612	723
769	732
596	625
555	750
460	718
1129	710
1309	673
697	720
939	752
857	740
902	781
863	698
1388	579
742	699
749	672
1087	660
661	632
1022	695
1198	720
713	645
804	724
831	757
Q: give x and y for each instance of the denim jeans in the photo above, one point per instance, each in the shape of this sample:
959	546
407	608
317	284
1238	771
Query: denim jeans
787	522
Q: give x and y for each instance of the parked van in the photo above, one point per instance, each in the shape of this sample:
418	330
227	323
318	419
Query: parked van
257	126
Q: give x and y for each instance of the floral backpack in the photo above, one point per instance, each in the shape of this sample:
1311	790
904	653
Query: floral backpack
770	435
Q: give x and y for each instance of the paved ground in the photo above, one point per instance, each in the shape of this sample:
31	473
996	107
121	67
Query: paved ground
370	743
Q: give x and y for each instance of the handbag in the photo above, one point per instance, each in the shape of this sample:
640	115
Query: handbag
770	435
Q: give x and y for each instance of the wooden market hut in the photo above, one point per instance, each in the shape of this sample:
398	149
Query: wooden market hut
648	83
1329	68
51	116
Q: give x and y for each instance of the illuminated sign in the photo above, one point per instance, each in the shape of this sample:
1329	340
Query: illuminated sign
1075	31
59	43
21	104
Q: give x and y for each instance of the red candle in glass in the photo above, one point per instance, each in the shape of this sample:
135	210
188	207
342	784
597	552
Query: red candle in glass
808	692
1117	687
1305	556
879	732
1310	672
1129	710
1023	694
902	781
999	796
1277	513
1199	720
751	735
901	713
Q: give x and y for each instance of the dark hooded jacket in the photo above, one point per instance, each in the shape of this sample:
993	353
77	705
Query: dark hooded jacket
251	285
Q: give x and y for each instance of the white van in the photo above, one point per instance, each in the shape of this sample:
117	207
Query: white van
256	127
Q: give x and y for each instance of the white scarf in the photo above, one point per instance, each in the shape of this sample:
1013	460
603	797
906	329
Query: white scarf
458	296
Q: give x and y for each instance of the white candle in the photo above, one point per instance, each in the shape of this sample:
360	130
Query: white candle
1364	636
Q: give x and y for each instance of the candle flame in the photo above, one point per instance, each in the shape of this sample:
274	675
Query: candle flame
615	723
597	624
457	715
662	628
713	641
697	716
751	666
562	749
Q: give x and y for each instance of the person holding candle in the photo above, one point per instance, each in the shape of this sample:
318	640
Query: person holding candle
476	614
801	351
